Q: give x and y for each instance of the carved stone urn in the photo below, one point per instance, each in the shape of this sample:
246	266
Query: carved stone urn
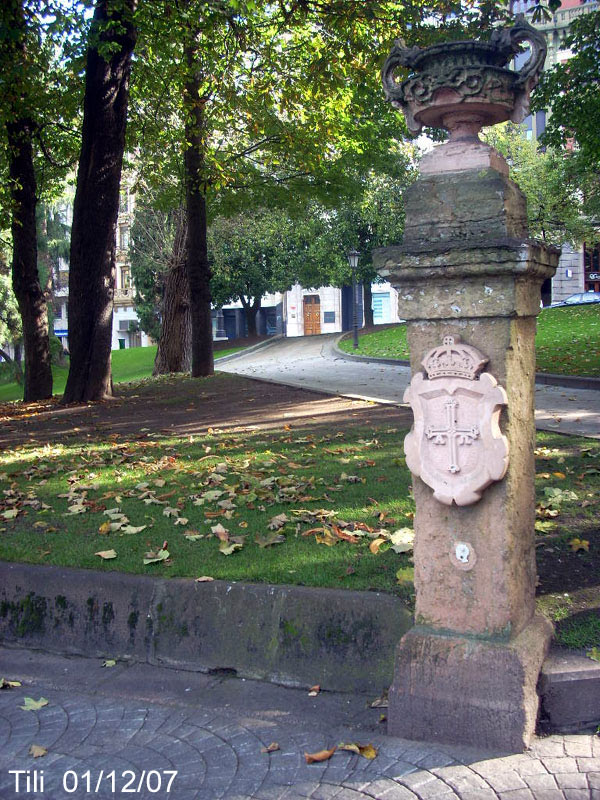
462	86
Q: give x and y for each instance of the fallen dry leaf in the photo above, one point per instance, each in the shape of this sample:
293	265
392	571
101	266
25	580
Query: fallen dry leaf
29	704
220	532
106	555
402	540
37	751
6	684
579	544
271	748
376	544
129	529
269	539
327	538
365	750
227	548
594	654
322	755
277	522
154	557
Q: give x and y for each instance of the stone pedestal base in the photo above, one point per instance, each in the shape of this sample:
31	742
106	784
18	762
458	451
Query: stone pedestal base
450	688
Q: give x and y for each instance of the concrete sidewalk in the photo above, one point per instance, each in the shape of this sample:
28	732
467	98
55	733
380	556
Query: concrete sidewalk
312	362
163	733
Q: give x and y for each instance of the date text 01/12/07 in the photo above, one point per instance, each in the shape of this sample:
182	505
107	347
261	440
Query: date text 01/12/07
126	782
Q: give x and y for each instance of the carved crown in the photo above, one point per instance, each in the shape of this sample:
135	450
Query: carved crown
454	359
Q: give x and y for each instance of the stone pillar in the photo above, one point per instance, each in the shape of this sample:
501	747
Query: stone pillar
467	671
221	332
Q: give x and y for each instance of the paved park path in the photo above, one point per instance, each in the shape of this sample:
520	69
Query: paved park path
312	362
148	729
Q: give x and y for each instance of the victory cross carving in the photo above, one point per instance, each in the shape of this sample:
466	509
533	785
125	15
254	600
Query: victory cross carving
455	445
452	434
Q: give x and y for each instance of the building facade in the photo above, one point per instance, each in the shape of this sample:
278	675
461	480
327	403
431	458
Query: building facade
578	269
126	331
308	312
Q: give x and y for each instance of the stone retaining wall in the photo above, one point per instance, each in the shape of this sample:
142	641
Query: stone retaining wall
342	640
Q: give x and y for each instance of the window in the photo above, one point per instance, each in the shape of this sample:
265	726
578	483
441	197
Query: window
540	123
123	237
125	278
381	308
124	201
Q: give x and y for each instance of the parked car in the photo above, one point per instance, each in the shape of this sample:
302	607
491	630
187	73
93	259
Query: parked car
579	299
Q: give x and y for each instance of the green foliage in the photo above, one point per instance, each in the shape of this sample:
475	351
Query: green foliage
268	250
10	321
57	353
556	210
292	106
570	90
41	51
253	254
152	238
373	216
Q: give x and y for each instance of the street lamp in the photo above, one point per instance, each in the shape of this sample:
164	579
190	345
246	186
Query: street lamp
353	257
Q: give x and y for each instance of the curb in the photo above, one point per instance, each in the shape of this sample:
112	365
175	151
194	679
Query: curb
251	349
544	378
570	689
292	635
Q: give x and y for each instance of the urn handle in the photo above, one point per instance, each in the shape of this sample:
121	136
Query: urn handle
521	32
400	56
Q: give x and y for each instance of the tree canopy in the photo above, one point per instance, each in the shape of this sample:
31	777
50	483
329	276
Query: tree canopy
555	204
239	105
572	91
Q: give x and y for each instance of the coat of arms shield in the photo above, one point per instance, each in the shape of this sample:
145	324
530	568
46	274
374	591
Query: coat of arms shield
455	445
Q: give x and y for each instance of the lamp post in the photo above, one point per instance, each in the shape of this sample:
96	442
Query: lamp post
353	257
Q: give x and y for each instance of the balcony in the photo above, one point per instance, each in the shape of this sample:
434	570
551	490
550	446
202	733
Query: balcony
122	295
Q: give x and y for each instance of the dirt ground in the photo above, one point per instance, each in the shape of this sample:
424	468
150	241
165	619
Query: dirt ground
174	406
181	407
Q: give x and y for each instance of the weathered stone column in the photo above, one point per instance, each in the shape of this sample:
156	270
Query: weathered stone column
469	284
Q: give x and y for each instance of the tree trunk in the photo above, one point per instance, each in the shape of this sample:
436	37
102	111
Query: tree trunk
96	206
251	310
174	353
25	277
368	304
198	270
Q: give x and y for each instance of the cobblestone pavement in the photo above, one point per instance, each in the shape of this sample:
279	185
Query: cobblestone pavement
149	732
311	363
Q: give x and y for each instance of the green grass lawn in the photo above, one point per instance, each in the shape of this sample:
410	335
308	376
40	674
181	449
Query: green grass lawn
316	508
567	341
215	504
131	364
